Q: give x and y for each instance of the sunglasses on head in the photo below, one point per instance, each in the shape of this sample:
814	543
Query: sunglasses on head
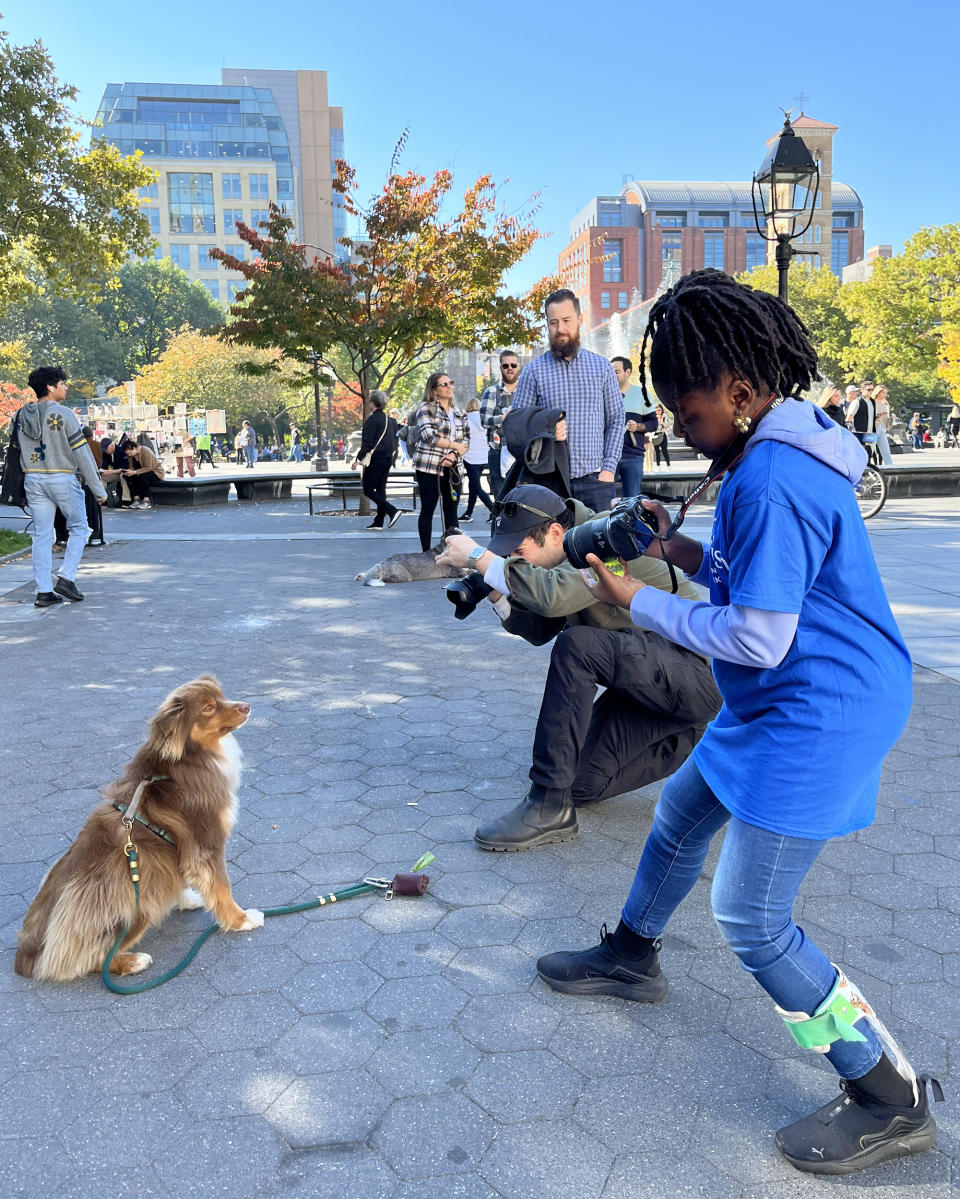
512	508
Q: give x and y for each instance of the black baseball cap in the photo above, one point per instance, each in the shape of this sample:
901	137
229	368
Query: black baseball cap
521	510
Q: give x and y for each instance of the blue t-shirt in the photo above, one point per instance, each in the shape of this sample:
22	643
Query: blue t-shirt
797	749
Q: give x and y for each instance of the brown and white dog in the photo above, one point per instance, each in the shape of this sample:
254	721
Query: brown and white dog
87	898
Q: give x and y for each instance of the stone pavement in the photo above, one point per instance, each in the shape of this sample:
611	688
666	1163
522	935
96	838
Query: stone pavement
406	1048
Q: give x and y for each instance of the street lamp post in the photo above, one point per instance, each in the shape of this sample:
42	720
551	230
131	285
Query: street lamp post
319	460
787	185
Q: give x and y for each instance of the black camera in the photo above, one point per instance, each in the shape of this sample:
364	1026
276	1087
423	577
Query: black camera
466	593
624	533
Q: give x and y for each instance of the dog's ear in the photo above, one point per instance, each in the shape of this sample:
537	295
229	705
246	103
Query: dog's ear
170	727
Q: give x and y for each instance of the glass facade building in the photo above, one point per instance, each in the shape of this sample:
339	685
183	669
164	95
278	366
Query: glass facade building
222	153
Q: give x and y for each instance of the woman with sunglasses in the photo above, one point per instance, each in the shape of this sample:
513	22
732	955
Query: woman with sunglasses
442	439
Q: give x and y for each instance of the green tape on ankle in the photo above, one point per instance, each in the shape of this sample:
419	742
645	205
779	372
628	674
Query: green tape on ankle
833	1021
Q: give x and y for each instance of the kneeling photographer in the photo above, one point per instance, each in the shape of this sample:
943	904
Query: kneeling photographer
659	696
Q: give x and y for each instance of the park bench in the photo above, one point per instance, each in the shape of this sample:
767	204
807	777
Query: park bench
338	484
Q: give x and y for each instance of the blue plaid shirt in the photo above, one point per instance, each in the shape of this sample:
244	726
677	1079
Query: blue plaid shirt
586	389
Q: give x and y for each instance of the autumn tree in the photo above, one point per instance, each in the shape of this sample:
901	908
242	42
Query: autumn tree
12	398
205	372
415	283
73	214
815	296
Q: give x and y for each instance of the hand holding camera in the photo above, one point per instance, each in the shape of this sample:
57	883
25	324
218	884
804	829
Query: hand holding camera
633	524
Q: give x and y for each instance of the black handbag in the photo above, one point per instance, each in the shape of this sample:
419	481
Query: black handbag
12	490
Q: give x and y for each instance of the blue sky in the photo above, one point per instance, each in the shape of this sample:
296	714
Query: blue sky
564	99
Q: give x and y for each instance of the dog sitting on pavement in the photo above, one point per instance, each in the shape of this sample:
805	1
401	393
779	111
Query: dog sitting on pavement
191	765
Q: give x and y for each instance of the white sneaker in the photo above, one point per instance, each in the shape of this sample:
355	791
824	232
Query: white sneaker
145	504
135	504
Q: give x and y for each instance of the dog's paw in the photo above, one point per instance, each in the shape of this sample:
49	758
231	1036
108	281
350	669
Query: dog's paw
190	900
254	919
139	962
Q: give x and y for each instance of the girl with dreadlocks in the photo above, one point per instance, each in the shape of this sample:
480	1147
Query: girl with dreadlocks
802	641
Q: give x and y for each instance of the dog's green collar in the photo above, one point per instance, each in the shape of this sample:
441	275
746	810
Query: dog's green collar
161	832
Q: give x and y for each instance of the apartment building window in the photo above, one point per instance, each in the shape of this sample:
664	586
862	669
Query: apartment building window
231	218
151	192
671	248
844	220
818	234
713	250
613	261
231	187
672	220
153	216
622	299
259	187
258	217
747	220
236	249
213	287
839	253
609	214
204	261
756	251
712	220
191	202
604	299
180	255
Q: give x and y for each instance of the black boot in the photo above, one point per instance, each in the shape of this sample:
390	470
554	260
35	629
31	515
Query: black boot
860	1128
609	969
543	818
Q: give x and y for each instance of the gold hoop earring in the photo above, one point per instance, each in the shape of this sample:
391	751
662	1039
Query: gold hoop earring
742	423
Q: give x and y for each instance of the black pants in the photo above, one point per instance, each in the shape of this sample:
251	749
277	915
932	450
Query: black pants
658	701
94	520
204	455
375	487
496	476
434	489
474	475
140	484
662	448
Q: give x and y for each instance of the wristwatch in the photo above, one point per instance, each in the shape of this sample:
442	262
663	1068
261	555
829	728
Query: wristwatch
477	553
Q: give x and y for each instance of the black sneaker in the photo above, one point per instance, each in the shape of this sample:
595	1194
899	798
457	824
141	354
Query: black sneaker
69	590
396	516
46	599
599	971
465	520
853	1131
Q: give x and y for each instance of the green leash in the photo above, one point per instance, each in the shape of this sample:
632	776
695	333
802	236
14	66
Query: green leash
351	892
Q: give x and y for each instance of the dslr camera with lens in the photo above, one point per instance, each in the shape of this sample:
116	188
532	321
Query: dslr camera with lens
466	593
624	533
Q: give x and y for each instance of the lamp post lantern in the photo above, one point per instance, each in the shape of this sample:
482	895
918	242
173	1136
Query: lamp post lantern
319	460
786	185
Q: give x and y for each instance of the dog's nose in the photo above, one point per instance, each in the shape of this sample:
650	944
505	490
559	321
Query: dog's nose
244	708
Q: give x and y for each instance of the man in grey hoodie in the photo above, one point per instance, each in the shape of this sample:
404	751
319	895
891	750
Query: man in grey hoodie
52	450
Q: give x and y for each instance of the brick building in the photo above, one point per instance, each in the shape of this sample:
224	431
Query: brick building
622	248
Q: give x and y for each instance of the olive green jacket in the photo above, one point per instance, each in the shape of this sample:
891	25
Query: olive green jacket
543	601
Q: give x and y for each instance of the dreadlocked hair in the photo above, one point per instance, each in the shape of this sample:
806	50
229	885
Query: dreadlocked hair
708	326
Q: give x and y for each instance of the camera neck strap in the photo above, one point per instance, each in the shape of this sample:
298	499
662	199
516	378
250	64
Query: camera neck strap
720	466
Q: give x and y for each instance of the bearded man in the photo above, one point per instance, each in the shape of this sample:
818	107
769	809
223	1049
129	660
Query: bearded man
584	386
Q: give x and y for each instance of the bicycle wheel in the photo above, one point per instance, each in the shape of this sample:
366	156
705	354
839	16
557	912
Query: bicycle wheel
871	492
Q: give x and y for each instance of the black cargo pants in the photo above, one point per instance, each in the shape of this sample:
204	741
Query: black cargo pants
659	698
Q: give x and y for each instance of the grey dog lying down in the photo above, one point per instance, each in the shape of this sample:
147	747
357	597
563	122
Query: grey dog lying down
409	568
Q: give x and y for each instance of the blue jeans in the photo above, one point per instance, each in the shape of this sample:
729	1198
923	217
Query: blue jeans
250	453
45	494
917	441
295	455
754	890
631	475
590	491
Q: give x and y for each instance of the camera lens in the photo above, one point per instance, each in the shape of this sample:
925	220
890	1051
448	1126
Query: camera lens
465	594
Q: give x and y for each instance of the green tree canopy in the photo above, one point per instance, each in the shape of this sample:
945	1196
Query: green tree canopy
815	296
128	326
74	214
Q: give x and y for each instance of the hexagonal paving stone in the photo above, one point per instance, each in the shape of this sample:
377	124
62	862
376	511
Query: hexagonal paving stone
405	914
425	1061
712	1068
402	955
344	940
893	959
269	858
492	969
232	1157
325	1109
245	1022
409	1003
636	1109
550	1160
103	1136
524	1086
244	968
502	1023
331	986
241	1083
482	925
927	868
641	1176
426	1135
848	916
469	887
330	1172
934	929
333	1041
603	1038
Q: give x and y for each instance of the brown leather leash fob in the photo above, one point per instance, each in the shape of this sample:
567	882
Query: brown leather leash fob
408	883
